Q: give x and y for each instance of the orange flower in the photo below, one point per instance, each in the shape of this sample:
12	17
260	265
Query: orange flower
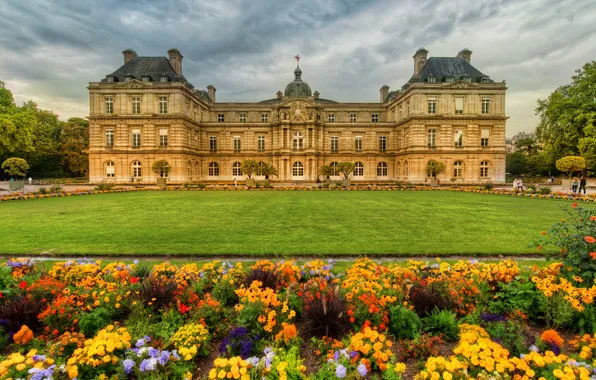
589	239
593	218
543	232
593	255
574	205
23	336
552	337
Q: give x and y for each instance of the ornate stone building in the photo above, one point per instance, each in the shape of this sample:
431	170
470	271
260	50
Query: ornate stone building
147	110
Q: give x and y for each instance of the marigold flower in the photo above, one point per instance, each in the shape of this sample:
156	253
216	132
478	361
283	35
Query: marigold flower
589	239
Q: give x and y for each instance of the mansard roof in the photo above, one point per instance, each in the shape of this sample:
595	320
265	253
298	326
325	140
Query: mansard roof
154	67
441	67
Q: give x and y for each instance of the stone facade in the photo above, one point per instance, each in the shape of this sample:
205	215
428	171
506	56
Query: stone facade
139	117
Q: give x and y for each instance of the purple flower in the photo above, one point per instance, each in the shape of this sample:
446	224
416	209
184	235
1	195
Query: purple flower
140	343
353	354
135	262
163	358
336	355
128	366
147	338
492	318
175	355
39	358
362	370
340	371
152	352
148	365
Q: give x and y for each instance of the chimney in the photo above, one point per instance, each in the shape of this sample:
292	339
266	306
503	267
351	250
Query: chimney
176	60
279	94
419	61
129	54
211	90
466	54
316	94
384	92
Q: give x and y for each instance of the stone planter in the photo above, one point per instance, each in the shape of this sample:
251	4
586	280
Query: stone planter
345	182
16	185
250	182
161	182
434	182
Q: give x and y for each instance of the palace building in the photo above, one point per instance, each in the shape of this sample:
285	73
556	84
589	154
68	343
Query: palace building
147	111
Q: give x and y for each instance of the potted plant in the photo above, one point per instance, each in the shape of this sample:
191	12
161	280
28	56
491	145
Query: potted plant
326	172
250	167
267	171
161	168
346	169
570	165
433	169
15	166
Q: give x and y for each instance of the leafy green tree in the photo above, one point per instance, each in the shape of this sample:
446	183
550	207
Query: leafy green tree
541	164
516	163
571	164
74	140
527	144
434	168
267	170
326	171
250	167
161	167
346	168
15	166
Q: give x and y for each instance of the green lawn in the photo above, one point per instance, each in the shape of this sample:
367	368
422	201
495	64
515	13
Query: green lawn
262	223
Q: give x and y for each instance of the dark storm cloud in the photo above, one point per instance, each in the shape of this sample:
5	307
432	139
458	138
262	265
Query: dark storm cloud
50	50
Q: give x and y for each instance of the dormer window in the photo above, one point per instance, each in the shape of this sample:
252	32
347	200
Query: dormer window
431	79
466	79
109	79
164	78
127	78
145	78
484	80
449	79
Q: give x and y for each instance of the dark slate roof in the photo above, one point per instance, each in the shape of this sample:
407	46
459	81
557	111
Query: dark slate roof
389	96
440	67
203	95
271	101
298	87
321	100
154	67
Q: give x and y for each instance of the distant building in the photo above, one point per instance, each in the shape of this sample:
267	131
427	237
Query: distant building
147	110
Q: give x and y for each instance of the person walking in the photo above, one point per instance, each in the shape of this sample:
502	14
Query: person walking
235	185
520	185
30	180
574	185
582	184
515	184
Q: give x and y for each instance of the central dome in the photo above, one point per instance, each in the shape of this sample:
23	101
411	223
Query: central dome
298	87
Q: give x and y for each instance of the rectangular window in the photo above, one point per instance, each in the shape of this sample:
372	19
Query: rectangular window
432	138
358	143
163	79
163	105
109	103
459	105
110	170
136	138
331	117
264	117
485	105
221	118
458	137
212	143
352	118
163	137
334	143
432	105
236	143
136	104
431	79
243	118
449	79
109	137
375	117
261	143
145	79
382	143
484	80
484	136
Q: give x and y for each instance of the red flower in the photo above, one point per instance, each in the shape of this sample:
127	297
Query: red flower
593	218
23	284
574	205
543	232
134	280
183	308
592	255
589	239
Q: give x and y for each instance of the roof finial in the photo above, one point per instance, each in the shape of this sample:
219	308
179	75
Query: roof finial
297	60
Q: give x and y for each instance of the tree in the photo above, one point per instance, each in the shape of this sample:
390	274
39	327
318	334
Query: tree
434	168
571	164
326	171
74	140
250	167
15	166
528	144
161	167
541	164
346	169
516	163
267	170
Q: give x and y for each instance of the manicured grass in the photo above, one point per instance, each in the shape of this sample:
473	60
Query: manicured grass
278	223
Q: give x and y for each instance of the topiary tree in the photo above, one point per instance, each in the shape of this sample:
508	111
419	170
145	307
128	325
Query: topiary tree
250	167
15	166
267	170
346	168
326	171
571	164
161	167
434	168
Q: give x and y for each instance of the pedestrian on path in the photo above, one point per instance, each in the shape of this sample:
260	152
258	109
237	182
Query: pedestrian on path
574	185
235	185
582	184
30	180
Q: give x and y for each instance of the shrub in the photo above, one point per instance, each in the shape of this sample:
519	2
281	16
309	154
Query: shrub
91	323
443	323
507	334
488	186
325	310
556	311
42	190
104	186
55	189
434	295
157	293
544	190
15	166
268	278
141	271
19	311
403	323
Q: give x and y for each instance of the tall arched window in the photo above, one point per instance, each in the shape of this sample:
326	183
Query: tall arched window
484	167
406	169
358	169
110	172
458	169
382	169
298	140
213	169
137	169
237	169
398	169
333	167
297	169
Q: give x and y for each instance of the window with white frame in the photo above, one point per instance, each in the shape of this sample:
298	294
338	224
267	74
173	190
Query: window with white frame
382	143
484	136
375	117
213	143
382	169
431	79
109	105
242	118
353	117
221	118
261	143
127	78
432	138
237	169
136	138
297	169
466	79
334	143
163	105
110	171
137	169
334	171
432	105
358	169
264	117
110	79
331	117
237	142
449	79
458	169
297	140
136	104
458	137
163	78
485	105
459	105
484	166
213	169
358	143
163	137
109	137
145	78
484	80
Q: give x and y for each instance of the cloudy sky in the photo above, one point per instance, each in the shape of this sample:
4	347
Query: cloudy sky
50	50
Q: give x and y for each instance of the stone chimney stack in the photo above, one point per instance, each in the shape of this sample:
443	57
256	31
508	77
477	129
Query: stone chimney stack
279	94
211	90
419	61
466	54
129	54
384	92
316	94
176	60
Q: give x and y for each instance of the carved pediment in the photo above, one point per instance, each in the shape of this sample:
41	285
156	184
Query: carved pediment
134	84
461	84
